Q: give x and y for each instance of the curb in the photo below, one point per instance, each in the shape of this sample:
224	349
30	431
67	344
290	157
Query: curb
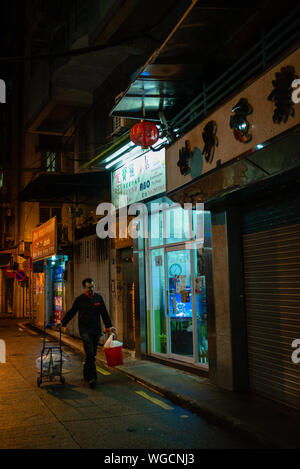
212	416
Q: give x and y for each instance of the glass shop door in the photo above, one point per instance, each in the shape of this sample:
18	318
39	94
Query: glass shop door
179	281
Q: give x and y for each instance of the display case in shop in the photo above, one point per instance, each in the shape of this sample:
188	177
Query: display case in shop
58	292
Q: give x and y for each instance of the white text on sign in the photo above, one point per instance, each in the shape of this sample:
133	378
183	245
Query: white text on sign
2	92
2	351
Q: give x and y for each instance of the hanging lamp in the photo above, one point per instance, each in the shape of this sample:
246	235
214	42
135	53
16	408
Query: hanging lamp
144	134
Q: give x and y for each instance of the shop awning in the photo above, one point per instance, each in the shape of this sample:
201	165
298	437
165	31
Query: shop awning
206	42
62	187
159	87
4	259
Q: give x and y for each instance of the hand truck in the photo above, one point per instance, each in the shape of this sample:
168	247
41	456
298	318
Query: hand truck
50	368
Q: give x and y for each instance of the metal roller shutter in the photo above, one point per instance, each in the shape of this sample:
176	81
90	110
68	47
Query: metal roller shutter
272	298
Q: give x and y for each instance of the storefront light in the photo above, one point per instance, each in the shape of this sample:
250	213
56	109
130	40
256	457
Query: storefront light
121	151
128	156
131	153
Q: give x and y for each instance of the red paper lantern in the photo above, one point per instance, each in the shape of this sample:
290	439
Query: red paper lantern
144	134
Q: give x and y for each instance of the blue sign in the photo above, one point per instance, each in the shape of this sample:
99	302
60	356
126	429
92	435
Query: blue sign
57	274
20	275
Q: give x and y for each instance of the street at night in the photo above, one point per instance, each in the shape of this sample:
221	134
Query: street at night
115	415
149	227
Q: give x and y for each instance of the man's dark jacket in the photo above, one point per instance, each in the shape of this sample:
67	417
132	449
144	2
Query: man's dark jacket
90	309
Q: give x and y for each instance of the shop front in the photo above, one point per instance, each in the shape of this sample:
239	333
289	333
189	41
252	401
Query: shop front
49	274
133	183
178	243
248	178
158	273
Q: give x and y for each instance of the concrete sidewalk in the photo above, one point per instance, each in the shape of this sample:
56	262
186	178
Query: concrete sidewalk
266	422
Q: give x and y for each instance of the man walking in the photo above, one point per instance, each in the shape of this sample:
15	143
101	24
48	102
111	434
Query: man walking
91	307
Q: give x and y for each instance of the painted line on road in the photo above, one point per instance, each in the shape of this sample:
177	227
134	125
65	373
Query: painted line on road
27	329
103	372
154	400
32	332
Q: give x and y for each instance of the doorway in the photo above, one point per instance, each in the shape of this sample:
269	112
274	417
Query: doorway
178	248
178	303
126	299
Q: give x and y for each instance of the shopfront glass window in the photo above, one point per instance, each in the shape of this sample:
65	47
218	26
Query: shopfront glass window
158	305
198	225
156	229
177	225
201	309
180	302
178	281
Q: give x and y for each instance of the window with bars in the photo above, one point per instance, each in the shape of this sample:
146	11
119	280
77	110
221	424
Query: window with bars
50	161
47	212
93	250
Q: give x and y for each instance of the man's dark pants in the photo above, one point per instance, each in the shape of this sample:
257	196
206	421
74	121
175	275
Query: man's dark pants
90	341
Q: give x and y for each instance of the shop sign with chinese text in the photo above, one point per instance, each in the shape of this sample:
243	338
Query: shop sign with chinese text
244	124
44	240
140	179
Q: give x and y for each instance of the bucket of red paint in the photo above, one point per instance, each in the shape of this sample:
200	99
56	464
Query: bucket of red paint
114	356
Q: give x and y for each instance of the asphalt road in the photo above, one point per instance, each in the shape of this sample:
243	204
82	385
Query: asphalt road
118	414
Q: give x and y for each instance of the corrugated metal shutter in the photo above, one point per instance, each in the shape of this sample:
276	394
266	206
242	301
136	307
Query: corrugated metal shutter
91	259
272	298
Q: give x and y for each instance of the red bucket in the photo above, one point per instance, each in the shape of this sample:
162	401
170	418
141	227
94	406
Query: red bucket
114	356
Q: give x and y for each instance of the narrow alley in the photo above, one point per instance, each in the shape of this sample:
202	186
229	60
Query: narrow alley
118	414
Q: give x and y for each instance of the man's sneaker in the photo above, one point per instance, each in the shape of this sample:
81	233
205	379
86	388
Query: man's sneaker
92	383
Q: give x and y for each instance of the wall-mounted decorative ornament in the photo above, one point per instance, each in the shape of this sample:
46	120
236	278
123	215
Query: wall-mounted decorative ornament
210	140
239	122
184	158
282	94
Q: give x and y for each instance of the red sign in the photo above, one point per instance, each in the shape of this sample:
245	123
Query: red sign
44	240
9	272
20	275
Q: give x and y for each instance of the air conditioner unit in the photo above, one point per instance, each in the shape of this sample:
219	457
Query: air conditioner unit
121	125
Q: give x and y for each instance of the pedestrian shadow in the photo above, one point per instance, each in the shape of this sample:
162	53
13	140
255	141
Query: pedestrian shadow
67	391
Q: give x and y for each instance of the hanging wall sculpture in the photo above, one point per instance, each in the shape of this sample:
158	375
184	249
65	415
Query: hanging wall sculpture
239	122
210	140
184	158
282	94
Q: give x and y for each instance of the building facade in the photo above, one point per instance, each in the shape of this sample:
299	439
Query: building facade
212	287
82	54
234	148
248	184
